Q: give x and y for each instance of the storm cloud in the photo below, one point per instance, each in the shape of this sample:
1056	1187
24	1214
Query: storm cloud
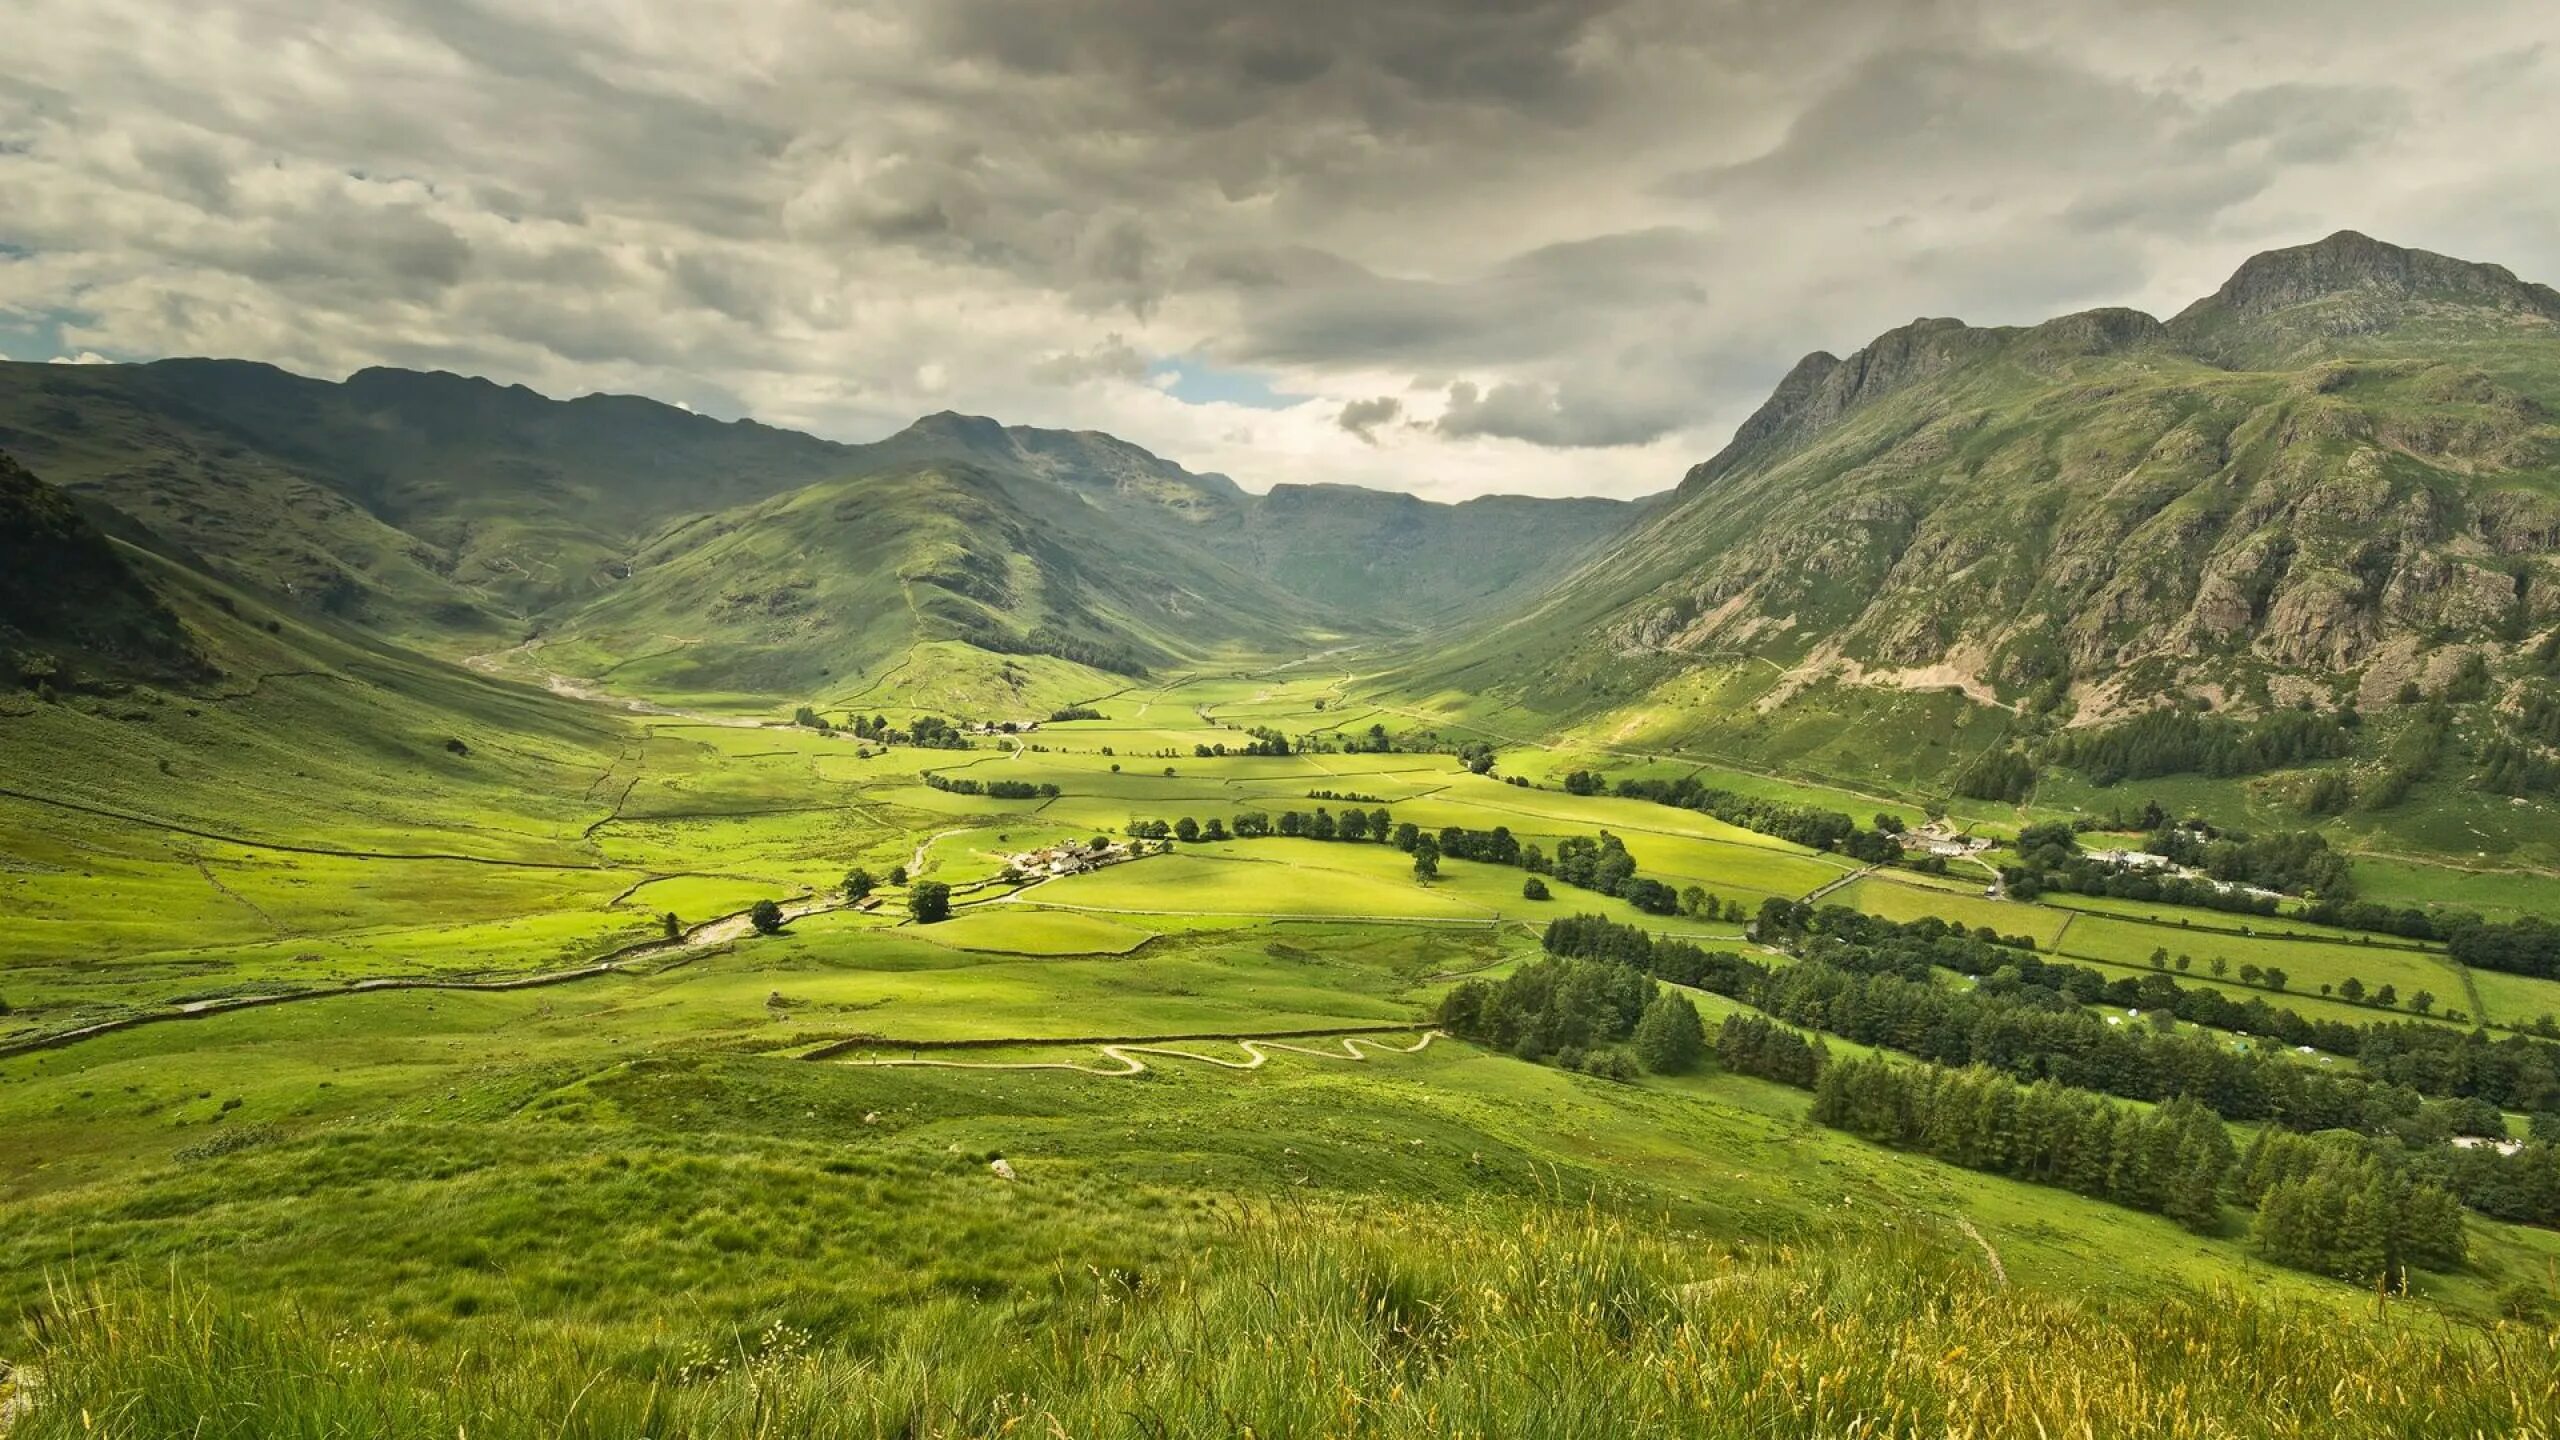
1449	245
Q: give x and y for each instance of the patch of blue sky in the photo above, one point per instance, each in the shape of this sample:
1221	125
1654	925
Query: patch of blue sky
1195	383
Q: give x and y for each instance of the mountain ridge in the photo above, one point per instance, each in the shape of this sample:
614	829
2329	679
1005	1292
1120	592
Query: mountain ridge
2337	474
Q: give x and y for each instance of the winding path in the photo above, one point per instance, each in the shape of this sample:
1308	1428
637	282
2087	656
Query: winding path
1127	1053
708	934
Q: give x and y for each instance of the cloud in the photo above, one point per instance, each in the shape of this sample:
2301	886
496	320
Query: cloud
1363	417
1579	239
1551	415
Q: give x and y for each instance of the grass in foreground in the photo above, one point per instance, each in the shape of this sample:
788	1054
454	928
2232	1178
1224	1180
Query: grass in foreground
1418	1323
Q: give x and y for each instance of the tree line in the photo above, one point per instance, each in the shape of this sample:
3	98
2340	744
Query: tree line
2173	742
1598	863
2170	1161
1870	981
992	789
1802	825
2329	1204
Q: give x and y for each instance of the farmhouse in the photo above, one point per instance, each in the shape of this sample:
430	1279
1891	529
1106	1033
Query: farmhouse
2132	859
1940	838
1072	858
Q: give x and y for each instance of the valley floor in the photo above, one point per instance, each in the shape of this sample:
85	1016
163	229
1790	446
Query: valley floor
738	1163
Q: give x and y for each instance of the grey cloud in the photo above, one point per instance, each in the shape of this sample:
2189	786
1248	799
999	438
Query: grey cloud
1113	359
1363	417
1556	416
829	211
1535	306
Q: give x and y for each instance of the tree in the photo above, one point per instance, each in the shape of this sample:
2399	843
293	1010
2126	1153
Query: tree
930	903
897	874
766	917
1426	858
2351	990
2274	977
858	884
1669	1037
1186	830
1533	888
2423	1001
674	929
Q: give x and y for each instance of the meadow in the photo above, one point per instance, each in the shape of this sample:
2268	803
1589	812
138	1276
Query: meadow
687	1180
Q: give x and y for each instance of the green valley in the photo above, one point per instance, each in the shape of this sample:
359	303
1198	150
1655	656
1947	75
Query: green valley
2022	897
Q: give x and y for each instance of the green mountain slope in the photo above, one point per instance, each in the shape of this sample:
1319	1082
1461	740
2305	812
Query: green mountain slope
70	607
454	512
823	586
420	504
2329	476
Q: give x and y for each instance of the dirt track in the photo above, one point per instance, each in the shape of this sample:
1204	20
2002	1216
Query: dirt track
1127	1056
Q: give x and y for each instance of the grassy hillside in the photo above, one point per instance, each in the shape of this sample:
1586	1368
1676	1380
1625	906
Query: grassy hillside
825	586
2104	508
71	608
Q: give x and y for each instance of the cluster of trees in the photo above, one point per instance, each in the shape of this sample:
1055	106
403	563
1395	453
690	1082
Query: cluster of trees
1352	796
1577	1012
1598	863
2510	767
1786	920
2172	1160
992	789
2333	1205
1265	741
1351	825
2004	774
2299	861
1596	937
2173	742
1755	1045
1603	864
1108	655
1073	712
2530	946
2296	861
1819	829
1700	903
928	730
929	901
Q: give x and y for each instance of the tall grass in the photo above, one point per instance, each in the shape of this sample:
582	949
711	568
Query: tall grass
1419	1324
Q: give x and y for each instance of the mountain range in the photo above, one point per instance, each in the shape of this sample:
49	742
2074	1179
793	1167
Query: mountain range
457	513
2336	474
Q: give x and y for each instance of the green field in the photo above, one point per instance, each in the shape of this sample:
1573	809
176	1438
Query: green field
703	1147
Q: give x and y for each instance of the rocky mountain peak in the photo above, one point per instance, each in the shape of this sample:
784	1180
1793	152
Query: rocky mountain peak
2350	264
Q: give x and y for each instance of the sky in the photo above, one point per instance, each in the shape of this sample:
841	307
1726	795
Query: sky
1452	247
